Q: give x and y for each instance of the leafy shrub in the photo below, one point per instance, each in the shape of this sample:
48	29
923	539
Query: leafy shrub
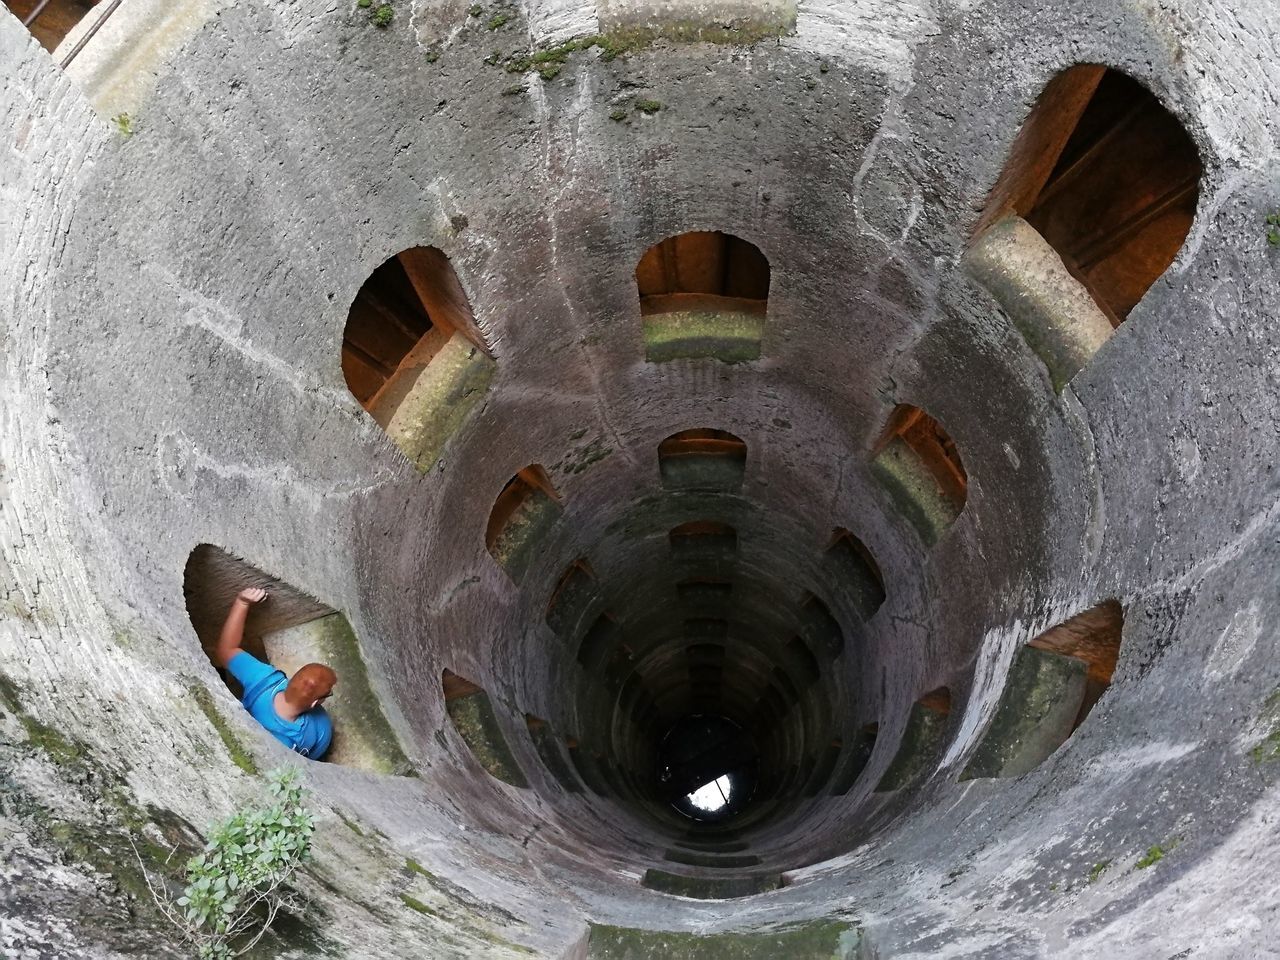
240	881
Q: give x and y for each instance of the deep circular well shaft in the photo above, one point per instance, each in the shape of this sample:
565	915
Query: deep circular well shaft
772	479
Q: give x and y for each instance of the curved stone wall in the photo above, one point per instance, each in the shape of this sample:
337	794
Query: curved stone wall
175	302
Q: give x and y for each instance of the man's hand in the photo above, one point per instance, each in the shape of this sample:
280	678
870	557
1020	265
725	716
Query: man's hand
233	630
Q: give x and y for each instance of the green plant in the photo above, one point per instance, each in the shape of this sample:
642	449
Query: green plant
475	10
1154	855
364	4
1273	229
382	15
497	20
124	123
431	56
649	107
617	115
1098	869
240	881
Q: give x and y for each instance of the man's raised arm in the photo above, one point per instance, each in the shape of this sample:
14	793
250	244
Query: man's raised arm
232	634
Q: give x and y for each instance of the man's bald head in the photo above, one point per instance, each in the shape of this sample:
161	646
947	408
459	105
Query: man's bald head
309	685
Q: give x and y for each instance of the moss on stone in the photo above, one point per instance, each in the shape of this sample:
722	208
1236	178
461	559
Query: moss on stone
1268	749
444	393
920	747
699	471
417	905
57	747
477	724
817	940
351	824
711	888
1041	700
914	491
520	542
1154	854
727	336
240	756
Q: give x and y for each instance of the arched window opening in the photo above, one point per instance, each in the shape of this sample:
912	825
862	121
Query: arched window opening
922	741
599	641
1095	202
473	717
703	295
820	628
412	354
859	756
289	630
523	514
547	745
918	464
587	764
857	571
702	459
801	659
575	594
825	767
1053	683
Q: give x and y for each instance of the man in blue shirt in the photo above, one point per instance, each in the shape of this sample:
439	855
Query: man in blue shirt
288	707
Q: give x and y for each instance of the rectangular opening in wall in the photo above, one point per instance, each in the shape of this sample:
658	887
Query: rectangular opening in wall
522	516
289	630
473	717
918	464
412	354
702	459
857	571
703	295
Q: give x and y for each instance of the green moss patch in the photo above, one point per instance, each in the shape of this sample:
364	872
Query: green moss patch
439	401
914	491
819	940
239	754
474	719
711	888
920	747
727	336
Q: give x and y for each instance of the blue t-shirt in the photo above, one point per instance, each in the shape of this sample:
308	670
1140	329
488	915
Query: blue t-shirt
309	735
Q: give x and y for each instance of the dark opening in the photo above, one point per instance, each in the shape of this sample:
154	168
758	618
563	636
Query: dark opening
50	20
702	459
707	767
1108	177
703	271
1094	637
524	511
